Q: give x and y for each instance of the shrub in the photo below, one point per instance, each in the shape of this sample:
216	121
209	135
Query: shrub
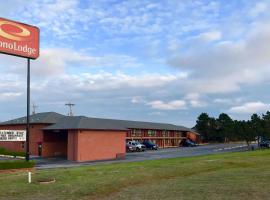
4	151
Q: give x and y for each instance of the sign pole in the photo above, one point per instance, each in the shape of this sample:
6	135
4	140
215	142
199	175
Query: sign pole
28	111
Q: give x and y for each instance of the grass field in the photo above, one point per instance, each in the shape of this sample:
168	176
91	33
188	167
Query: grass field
236	176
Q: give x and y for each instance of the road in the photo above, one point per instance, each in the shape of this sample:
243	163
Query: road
148	155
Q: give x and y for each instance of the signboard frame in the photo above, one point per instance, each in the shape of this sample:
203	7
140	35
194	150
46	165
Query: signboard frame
25	25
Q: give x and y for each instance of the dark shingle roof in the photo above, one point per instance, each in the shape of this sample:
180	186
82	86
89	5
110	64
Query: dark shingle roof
39	118
61	122
113	124
81	122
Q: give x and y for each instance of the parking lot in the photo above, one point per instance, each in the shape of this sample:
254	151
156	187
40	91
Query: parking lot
185	151
149	155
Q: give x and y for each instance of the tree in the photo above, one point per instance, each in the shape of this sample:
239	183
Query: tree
225	127
206	126
212	129
244	131
256	126
202	126
266	125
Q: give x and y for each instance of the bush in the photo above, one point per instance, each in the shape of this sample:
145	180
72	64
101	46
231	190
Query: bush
4	151
16	164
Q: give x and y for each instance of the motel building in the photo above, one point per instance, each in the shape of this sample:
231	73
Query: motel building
80	138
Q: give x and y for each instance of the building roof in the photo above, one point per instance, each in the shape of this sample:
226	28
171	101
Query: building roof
39	118
81	122
62	122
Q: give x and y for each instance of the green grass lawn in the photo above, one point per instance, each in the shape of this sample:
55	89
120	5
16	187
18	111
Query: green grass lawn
236	176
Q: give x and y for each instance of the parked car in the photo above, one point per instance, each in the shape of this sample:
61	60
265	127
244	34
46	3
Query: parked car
138	146
264	143
130	148
188	143
150	145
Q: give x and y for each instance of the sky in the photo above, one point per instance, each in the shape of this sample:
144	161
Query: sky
149	60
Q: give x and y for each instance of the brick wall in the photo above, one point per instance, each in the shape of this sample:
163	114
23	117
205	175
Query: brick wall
89	145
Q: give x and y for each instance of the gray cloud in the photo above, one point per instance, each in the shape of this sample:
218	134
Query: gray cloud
225	66
250	108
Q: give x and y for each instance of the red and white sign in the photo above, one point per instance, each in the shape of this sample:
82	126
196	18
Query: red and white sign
19	39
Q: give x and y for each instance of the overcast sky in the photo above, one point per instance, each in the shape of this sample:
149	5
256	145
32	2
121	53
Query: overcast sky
164	61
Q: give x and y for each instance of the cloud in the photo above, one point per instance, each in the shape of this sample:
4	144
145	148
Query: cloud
197	104
226	66
250	107
74	19
259	8
171	105
137	99
228	101
209	36
12	6
222	101
57	17
194	100
8	96
106	81
190	100
55	61
156	114
60	58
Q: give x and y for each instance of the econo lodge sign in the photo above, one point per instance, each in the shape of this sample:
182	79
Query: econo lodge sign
19	39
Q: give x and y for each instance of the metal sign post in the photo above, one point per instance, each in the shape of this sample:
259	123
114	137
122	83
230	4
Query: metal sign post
28	111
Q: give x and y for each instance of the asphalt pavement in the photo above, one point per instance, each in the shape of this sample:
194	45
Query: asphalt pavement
50	163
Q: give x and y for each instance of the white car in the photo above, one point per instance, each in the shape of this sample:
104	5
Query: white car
137	145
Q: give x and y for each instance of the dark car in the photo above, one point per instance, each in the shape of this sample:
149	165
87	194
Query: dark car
187	143
265	143
150	145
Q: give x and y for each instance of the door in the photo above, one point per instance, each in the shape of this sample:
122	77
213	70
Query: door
40	149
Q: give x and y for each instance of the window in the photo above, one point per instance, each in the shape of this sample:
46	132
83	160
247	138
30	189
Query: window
178	134
136	133
165	133
152	133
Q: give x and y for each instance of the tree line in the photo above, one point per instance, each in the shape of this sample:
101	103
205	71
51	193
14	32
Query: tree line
225	129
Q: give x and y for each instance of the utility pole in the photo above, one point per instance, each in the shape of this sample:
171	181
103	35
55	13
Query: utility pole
34	109
70	108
